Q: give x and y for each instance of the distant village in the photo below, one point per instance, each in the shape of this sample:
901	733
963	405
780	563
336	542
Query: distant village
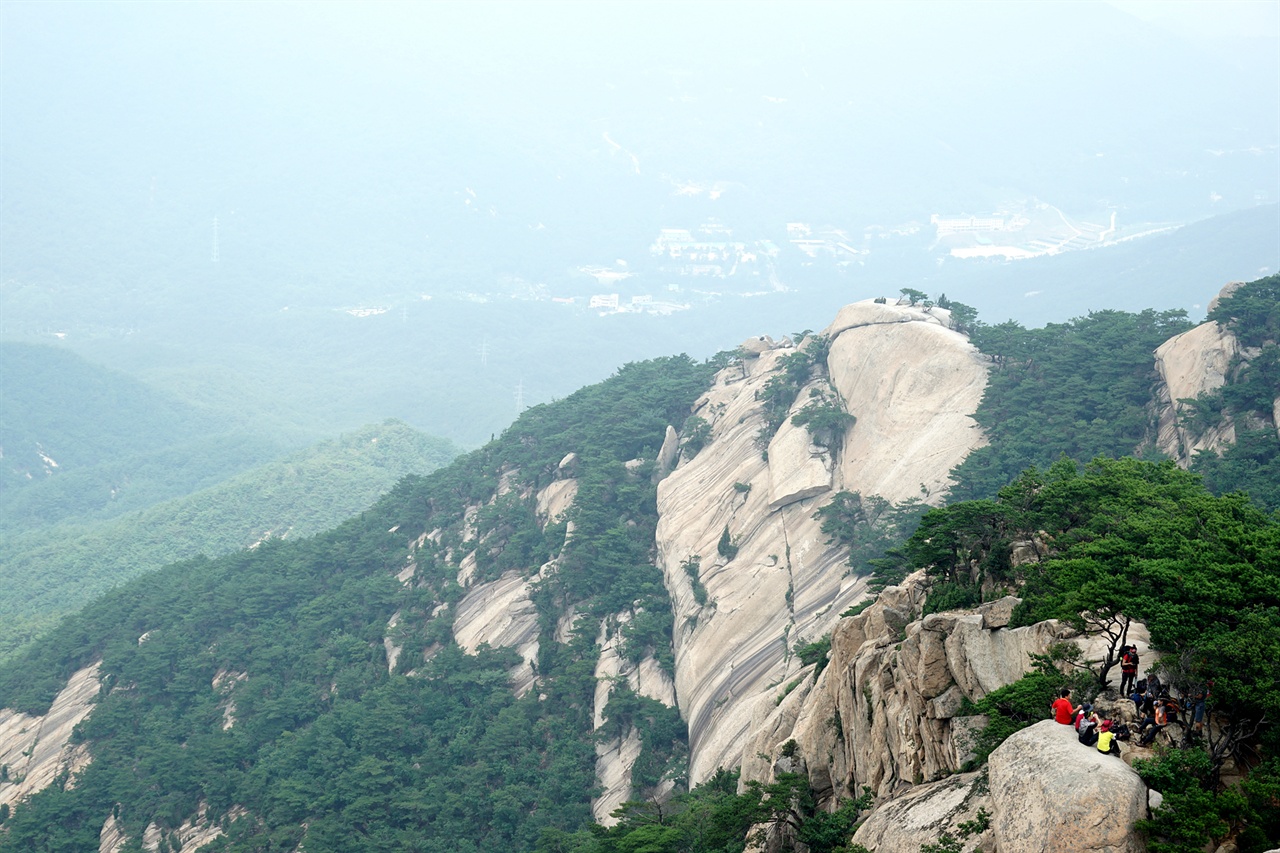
684	266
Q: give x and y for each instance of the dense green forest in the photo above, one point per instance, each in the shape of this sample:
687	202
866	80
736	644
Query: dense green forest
330	747
84	442
1080	389
52	570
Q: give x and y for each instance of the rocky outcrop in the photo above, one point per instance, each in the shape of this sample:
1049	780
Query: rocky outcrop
921	815
886	712
1050	793
615	758
34	751
502	614
1190	364
913	384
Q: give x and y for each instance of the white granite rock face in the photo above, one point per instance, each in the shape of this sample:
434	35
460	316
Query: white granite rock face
913	384
502	614
1190	364
1049	792
616	758
37	749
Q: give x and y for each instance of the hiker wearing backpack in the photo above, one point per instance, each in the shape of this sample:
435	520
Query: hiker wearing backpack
1158	720
1128	668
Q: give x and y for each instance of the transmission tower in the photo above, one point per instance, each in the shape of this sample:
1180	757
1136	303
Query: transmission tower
214	258
520	397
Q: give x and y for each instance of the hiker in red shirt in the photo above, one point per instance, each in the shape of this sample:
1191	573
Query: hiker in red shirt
1063	711
1128	668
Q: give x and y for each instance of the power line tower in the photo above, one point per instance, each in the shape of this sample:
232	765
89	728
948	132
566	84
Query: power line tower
520	397
484	352
214	258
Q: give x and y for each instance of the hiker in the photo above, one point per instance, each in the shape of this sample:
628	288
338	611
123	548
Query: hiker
1089	729
1107	740
1062	709
1200	698
1154	724
1082	714
1128	668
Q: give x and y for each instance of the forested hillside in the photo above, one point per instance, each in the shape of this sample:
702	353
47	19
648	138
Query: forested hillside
313	693
54	569
327	745
83	442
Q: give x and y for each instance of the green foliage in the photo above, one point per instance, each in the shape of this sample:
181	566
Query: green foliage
726	547
794	371
818	652
948	843
872	529
691	568
826	420
788	809
50	572
712	818
662	732
1196	813
1252	312
1080	388
949	595
695	435
329	750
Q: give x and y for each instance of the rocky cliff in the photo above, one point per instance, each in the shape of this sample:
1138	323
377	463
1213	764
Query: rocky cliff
1189	365
912	384
1196	363
34	751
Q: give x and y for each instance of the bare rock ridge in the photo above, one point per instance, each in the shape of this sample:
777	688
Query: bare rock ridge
913	384
886	711
36	750
1190	364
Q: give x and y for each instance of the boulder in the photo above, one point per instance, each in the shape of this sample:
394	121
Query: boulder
923	813
998	613
1048	792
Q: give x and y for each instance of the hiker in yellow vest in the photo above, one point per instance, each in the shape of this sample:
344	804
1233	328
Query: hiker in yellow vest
1107	740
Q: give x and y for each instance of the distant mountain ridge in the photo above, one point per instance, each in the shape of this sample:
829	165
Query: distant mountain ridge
49	571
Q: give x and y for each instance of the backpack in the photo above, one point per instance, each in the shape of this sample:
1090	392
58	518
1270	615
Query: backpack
1121	732
1140	687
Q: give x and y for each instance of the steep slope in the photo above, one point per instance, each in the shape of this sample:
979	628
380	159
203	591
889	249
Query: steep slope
911	383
